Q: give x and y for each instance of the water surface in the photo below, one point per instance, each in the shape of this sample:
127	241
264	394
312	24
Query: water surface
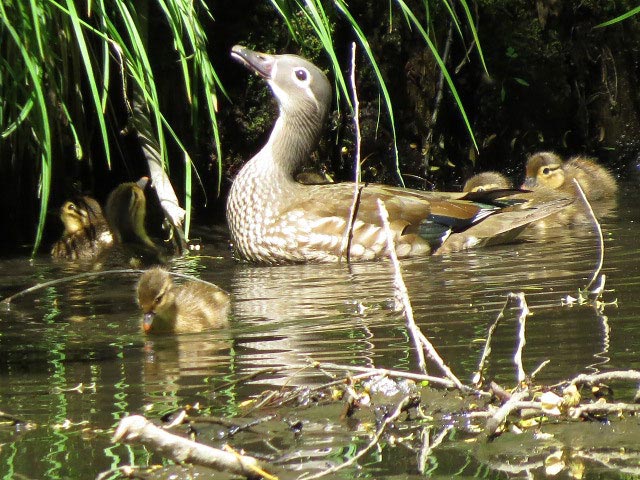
73	359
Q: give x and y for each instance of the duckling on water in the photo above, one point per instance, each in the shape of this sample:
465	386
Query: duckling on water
170	308
86	232
549	170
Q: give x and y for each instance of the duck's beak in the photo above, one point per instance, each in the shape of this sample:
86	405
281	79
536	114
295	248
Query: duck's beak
147	321
261	63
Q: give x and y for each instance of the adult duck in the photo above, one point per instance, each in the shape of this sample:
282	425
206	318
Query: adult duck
274	219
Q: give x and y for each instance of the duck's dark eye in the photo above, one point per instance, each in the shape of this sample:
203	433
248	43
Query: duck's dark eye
301	74
546	170
158	299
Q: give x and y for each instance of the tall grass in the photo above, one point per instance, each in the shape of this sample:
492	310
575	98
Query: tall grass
62	52
315	12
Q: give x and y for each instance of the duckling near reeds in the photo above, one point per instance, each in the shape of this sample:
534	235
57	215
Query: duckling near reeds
126	211
170	308
86	232
549	170
485	181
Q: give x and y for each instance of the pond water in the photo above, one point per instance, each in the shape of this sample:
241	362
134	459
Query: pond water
73	359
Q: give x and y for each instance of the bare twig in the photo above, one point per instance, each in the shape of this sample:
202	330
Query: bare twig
137	429
628	375
345	247
401	295
524	311
498	418
598	228
406	401
429	446
592	408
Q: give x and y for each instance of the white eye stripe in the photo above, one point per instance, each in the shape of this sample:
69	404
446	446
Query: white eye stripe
301	76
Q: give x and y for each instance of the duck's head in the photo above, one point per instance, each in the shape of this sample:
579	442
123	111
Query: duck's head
486	181
300	87
156	299
80	214
544	169
126	211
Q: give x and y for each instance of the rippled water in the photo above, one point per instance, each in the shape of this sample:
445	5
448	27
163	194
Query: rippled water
73	359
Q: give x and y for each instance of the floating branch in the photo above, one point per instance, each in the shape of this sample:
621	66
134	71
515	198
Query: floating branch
137	429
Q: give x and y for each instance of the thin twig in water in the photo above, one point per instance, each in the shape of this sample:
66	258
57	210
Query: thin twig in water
345	247
401	295
374	441
599	232
628	375
478	377
428	446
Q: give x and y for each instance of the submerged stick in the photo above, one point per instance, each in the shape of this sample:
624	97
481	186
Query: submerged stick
353	211
404	403
137	429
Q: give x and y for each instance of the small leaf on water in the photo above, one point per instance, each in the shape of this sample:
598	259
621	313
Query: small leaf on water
521	81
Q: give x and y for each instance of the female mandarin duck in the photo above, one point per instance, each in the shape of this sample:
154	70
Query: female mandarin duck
169	308
547	169
485	181
274	219
86	233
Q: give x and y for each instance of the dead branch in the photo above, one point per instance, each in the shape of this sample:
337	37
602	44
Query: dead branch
497	419
401	295
137	429
626	375
595	408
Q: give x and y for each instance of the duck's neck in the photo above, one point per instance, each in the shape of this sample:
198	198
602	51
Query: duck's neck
266	182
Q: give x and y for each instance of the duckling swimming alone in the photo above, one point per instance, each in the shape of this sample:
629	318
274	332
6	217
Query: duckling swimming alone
86	232
170	308
547	169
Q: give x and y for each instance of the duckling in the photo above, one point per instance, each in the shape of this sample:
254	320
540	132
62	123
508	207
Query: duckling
126	211
548	169
169	308
484	181
86	232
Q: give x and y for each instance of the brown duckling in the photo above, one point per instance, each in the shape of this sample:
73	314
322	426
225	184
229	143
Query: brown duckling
190	307
86	232
547	169
484	181
126	211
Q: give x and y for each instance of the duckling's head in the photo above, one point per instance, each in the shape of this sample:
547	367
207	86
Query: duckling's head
301	88
80	214
157	300
485	181
544	169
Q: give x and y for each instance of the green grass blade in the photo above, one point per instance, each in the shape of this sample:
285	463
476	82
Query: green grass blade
620	18
383	86
443	68
95	96
41	123
474	32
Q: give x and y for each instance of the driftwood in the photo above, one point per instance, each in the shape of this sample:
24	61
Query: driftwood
137	429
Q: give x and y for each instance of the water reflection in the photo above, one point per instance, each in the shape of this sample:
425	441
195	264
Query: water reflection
88	332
